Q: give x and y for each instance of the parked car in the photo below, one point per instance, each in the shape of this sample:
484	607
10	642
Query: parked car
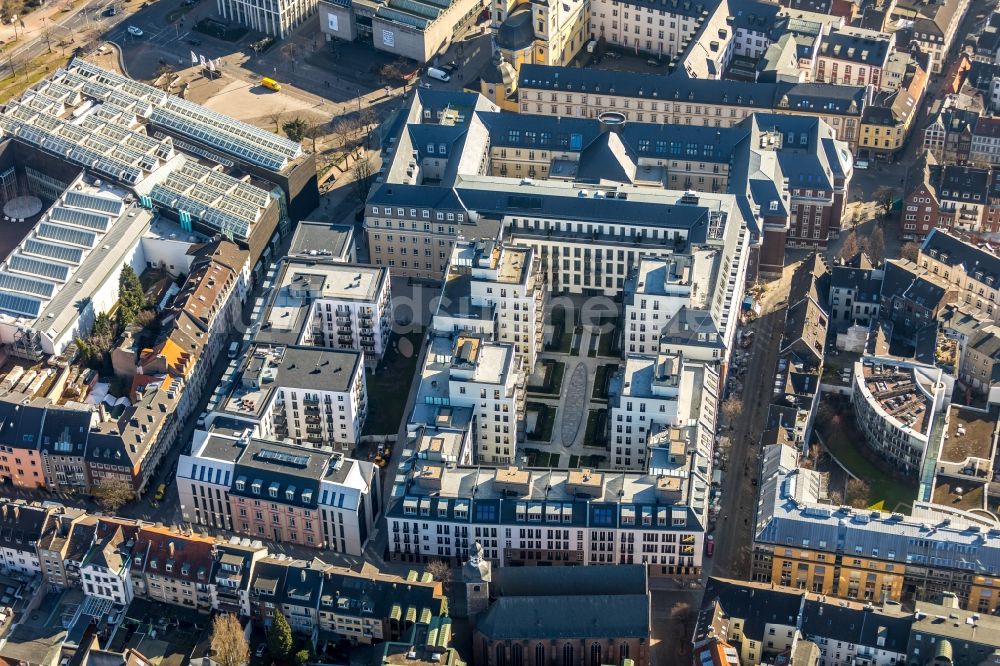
134	31
110	10
709	545
161	492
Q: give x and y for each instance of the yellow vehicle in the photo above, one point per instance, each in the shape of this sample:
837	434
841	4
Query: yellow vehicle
270	83
161	492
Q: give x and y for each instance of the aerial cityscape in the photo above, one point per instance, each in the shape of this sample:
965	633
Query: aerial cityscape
499	332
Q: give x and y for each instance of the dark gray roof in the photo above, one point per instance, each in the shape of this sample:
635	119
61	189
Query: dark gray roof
824	97
856	48
20	425
65	431
321	237
21	526
687	324
953	252
313	368
568	581
755	605
865	287
854	625
519	618
517	32
962	183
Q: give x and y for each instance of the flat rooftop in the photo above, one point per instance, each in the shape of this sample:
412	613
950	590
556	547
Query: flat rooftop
970	435
897	391
322	239
962	494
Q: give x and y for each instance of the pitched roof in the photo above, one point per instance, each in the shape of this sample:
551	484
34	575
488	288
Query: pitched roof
168	553
954	252
519	618
21	525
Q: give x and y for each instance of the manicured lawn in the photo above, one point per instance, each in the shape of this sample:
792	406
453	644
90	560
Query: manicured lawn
553	378
601	378
844	442
546	420
389	386
595	434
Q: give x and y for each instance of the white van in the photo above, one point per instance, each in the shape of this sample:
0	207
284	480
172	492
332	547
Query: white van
234	349
438	74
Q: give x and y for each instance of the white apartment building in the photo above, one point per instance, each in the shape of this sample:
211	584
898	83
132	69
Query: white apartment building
106	571
21	525
471	384
329	304
269	490
546	517
897	404
309	396
660	287
495	290
276	19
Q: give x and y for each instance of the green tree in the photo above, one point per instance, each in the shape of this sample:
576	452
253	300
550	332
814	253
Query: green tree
296	129
104	326
279	638
131	297
302	657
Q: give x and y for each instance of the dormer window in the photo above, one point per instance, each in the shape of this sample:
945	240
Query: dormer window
290	493
169	567
272	490
307	496
255	487
241	484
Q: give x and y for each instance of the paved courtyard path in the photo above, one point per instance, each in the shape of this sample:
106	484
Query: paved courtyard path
574	404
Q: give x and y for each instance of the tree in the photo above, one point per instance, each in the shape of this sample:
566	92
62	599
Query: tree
857	493
439	570
131	297
164	74
849	248
362	171
296	129
390	72
229	644
314	132
731	408
274	115
875	246
910	251
279	637
344	129
302	657
112	493
104	326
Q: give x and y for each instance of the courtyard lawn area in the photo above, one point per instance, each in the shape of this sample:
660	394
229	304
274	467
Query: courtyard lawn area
602	376
553	378
592	462
886	491
596	435
389	386
562	335
607	345
538	458
546	420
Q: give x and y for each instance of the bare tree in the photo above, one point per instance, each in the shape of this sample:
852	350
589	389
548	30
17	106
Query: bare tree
731	408
858	493
390	72
229	644
849	248
875	245
344	129
439	570
836	497
910	251
113	493
275	117
314	132
362	171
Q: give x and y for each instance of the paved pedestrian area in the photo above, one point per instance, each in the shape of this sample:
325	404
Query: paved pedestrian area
576	399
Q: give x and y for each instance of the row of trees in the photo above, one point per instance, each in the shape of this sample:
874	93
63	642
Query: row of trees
133	308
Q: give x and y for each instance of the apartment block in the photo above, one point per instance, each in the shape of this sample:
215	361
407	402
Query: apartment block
972	270
546	517
496	290
659	289
582	192
896	405
312	396
173	568
330	305
270	490
475	385
803	541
